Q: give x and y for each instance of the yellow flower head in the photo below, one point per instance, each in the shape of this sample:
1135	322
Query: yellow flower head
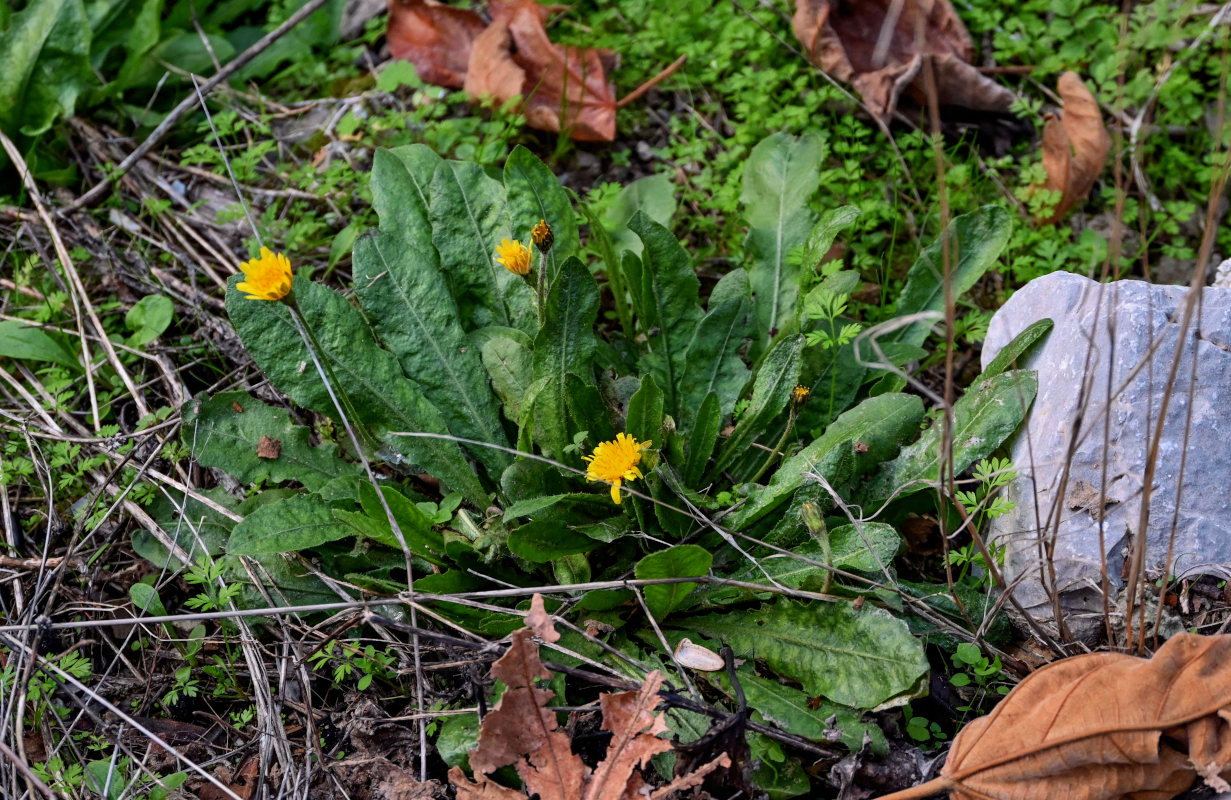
267	277
542	235
799	395
616	461
514	256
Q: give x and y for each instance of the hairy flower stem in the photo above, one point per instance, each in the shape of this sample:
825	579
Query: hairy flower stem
316	353
542	288
815	523
333	386
773	454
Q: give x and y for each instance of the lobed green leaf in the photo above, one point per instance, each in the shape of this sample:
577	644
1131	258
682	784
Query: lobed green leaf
299	522
975	242
666	304
563	358
982	420
712	361
778	375
226	430
469	216
862	659
880	424
780	176
535	193
368	379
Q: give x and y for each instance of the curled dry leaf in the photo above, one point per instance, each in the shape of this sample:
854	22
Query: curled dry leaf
878	46
694	656
1101	726
1075	146
522	731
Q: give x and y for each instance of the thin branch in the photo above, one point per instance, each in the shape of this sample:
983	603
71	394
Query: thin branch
188	103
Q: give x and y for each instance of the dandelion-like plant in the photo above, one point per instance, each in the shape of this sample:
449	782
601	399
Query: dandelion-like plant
615	462
514	256
267	277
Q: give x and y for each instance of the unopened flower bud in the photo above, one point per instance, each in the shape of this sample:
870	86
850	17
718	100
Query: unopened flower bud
542	236
810	513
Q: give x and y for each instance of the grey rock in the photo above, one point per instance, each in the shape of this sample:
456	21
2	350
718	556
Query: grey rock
1081	454
1222	275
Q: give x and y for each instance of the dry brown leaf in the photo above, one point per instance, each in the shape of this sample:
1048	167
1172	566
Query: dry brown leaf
482	788
693	778
35	746
858	41
268	447
436	38
1075	146
563	89
243	782
492	71
506	9
540	622
1101	726
634	739
522	731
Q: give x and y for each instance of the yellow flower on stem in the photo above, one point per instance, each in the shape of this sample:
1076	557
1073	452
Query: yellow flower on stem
615	462
514	256
267	277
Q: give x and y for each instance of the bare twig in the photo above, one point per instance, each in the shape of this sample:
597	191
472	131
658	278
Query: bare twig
635	94
187	104
89	695
21	766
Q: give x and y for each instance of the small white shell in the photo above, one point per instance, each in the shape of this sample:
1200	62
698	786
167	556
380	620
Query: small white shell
694	656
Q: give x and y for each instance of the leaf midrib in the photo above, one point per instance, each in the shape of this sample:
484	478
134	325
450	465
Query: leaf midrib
464	391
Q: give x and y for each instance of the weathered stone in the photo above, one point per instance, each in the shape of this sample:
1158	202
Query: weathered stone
1081	455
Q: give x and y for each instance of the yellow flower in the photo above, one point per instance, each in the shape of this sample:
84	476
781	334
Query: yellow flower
799	395
267	277
514	256
616	461
542	235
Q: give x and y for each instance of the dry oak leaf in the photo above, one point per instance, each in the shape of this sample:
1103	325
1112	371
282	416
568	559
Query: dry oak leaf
878	46
523	731
634	740
1101	726
1075	146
